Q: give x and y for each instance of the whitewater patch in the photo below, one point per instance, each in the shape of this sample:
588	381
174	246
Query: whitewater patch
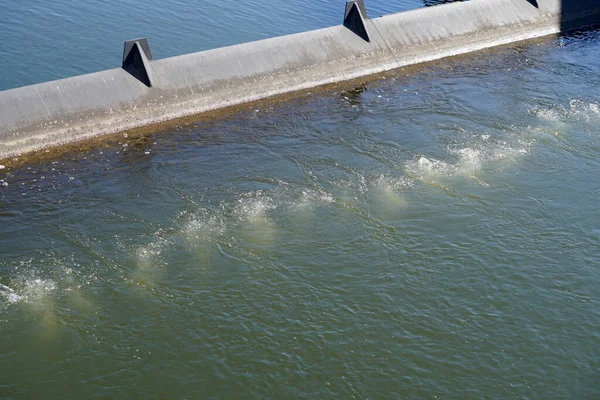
36	290
32	291
148	255
43	287
311	197
468	161
149	263
202	228
577	110
361	183
250	219
254	206
9	294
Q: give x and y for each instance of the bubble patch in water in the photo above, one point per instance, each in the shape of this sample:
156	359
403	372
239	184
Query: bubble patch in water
578	110
254	206
9	294
28	290
468	161
431	168
146	255
202	228
311	197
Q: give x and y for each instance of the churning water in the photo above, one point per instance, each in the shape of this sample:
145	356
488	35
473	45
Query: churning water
433	234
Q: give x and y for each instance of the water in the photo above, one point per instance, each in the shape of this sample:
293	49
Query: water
433	234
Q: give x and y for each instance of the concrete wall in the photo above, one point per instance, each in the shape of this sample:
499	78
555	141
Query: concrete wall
67	110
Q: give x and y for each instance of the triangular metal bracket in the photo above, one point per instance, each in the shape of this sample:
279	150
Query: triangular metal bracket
136	60
355	18
534	3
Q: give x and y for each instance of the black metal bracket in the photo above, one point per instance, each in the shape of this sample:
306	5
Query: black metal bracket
533	3
136	60
355	18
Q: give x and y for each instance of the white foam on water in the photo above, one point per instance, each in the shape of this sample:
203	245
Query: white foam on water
9	294
577	110
361	183
249	220
202	228
429	168
42	289
35	296
252	213
383	193
36	291
254	206
583	110
147	256
547	114
149	266
301	205
472	160
310	196
468	161
201	232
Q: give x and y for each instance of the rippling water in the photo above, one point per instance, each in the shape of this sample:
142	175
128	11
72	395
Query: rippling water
433	234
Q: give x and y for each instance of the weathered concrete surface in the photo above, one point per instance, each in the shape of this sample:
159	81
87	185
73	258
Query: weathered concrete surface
58	112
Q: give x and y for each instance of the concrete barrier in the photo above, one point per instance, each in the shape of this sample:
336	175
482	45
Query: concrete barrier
146	91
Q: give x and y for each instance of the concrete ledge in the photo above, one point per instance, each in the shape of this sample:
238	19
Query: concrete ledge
58	112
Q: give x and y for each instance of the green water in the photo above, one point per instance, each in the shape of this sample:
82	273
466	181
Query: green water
435	234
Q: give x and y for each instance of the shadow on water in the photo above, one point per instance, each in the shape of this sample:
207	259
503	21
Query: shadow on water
576	14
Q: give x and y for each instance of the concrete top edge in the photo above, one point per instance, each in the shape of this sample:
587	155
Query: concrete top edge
265	42
449	9
410	14
147	92
105	74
